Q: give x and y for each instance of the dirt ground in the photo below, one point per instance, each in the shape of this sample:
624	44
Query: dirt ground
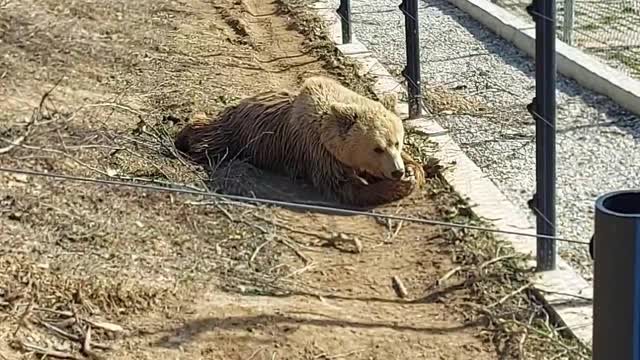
97	89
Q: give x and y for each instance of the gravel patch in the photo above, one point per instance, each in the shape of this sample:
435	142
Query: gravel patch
597	141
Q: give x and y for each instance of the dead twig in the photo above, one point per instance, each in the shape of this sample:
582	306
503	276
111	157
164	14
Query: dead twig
511	294
495	260
288	244
449	274
545	335
224	211
12	144
259	247
59	331
255	353
20	139
67	314
46	95
66	155
330	238
399	287
396	232
70	336
523	339
106	326
299	271
336	356
117	106
47	352
23	320
336	238
86	345
457	269
575	296
292	229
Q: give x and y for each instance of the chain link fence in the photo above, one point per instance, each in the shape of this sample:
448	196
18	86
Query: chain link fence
607	29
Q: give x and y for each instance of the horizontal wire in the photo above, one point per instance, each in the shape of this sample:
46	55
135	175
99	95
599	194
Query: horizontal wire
532	110
283	203
307	206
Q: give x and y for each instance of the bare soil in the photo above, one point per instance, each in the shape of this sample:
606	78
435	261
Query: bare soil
97	89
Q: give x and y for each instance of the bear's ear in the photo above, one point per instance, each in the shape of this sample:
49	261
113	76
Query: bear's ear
346	116
389	101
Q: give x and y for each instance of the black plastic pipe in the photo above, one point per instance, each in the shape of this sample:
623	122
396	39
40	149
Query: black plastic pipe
616	297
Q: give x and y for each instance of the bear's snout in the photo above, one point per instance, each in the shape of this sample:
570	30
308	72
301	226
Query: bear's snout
397	174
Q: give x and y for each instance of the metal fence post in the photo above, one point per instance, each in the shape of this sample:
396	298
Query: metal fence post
568	22
616	297
412	71
543	109
344	10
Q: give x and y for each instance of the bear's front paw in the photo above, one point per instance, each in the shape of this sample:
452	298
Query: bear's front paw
408	183
415	174
409	175
409	172
409	178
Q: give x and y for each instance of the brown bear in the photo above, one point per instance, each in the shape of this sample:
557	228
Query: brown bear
348	146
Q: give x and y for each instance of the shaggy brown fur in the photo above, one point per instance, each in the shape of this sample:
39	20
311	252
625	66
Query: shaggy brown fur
325	134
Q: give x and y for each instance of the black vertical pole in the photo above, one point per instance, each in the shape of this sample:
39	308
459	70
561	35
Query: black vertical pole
616	288
543	110
345	18
412	71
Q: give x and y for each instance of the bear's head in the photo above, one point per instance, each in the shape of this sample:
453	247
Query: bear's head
367	137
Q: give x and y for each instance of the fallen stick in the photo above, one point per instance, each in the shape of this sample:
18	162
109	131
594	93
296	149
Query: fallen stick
259	247
449	274
510	295
396	232
70	336
399	287
286	243
12	144
47	352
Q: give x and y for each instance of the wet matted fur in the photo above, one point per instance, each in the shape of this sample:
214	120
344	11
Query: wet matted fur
323	134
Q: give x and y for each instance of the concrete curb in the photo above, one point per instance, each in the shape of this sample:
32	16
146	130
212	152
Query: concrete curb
573	63
563	290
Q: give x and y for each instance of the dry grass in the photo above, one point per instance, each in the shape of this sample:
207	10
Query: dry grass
104	86
440	100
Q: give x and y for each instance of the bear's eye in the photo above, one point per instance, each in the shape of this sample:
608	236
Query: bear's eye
379	150
397	143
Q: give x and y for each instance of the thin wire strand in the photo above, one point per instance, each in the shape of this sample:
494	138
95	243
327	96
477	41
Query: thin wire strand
533	111
306	206
423	106
281	203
